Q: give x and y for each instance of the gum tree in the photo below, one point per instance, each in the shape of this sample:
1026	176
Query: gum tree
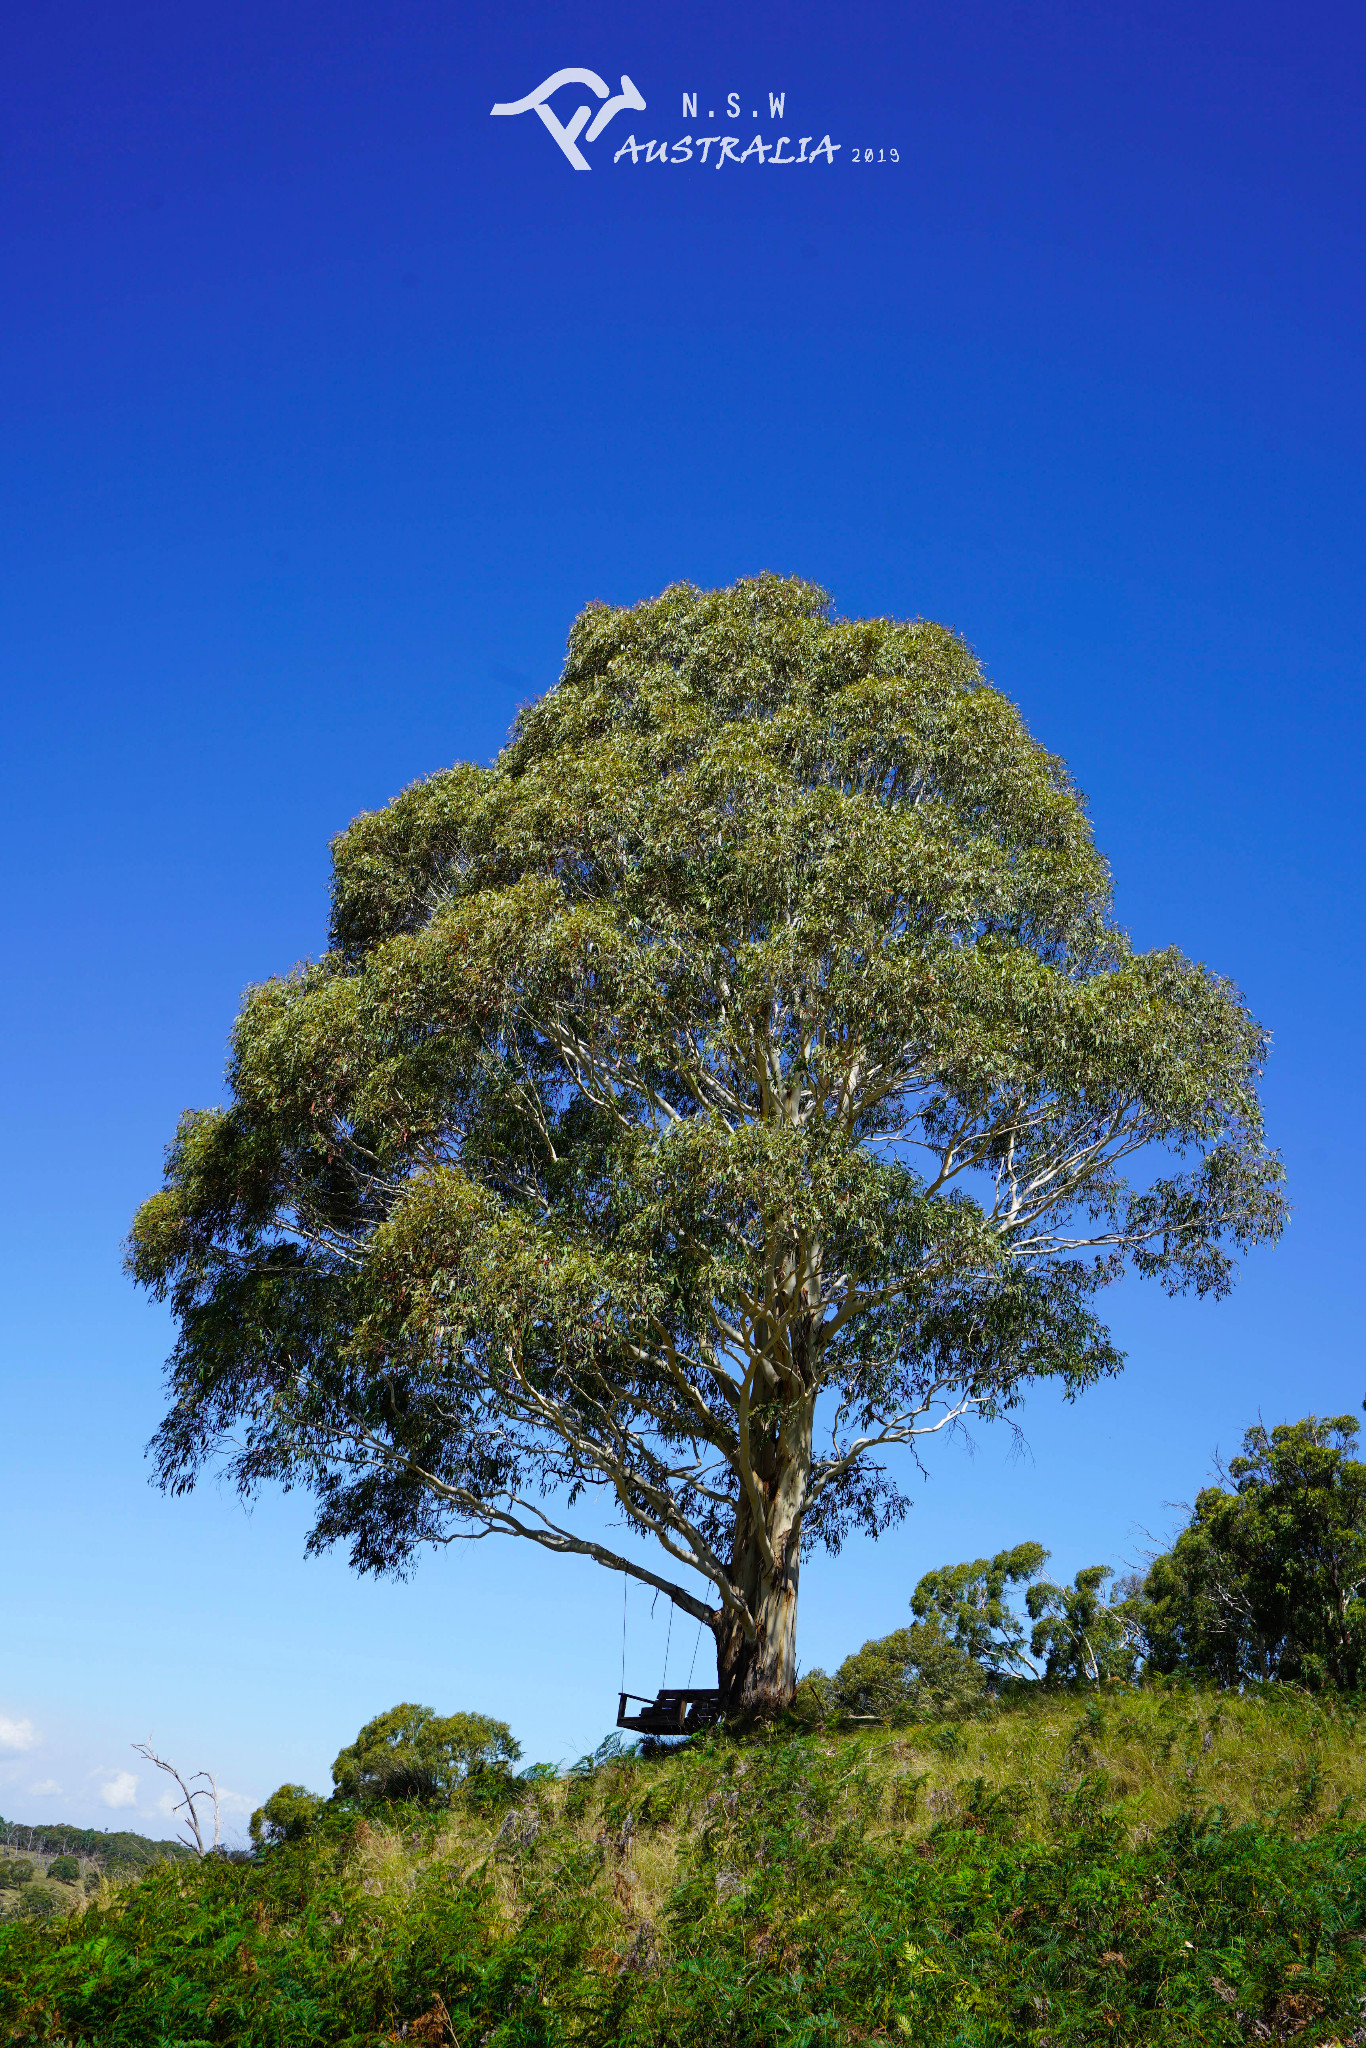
741	1079
1268	1579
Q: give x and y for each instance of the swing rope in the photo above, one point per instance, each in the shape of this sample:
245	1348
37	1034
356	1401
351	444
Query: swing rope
668	1641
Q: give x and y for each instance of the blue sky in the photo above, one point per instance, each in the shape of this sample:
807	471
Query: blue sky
328	400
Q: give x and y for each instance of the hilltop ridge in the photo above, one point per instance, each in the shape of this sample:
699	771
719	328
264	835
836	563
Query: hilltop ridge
1154	1865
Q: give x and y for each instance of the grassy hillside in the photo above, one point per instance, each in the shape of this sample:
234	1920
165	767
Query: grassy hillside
51	1868
1152	1867
27	1889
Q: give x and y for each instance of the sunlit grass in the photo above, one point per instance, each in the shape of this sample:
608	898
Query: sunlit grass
1145	1866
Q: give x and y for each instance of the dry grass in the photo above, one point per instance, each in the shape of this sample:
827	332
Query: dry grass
1286	1762
1289	1763
1058	1856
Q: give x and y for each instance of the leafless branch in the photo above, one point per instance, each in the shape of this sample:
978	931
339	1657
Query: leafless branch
192	1834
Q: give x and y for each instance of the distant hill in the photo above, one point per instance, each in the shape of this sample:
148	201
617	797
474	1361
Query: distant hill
111	1849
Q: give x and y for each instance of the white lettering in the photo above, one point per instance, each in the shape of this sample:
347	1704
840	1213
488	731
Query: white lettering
728	150
776	103
733	107
690	106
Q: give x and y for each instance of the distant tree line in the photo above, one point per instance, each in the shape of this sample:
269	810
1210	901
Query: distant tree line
112	1849
57	1855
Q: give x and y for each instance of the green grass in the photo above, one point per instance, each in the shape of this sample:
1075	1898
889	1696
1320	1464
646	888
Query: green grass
50	1895
1154	1867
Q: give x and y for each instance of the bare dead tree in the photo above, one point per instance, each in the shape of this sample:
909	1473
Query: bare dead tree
191	1834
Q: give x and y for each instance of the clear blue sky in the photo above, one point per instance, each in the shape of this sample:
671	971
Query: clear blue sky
328	400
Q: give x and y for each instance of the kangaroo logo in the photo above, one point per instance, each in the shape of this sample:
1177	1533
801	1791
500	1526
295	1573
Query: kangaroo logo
567	134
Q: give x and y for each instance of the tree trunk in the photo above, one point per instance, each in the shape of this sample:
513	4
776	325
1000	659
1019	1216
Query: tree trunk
757	1675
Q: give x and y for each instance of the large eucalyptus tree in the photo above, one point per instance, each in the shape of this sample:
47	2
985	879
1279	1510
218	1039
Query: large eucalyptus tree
741	1078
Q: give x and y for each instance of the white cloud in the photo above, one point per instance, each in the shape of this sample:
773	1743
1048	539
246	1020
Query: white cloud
45	1785
17	1734
121	1790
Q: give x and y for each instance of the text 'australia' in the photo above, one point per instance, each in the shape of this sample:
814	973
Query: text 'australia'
690	148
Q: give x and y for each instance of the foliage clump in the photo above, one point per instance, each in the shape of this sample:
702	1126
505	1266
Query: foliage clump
412	1753
968	1642
1268	1581
1081	1636
287	1816
915	1673
409	1754
38	1902
970	1602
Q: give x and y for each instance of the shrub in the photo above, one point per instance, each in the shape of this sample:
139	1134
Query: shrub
813	1702
413	1753
37	1902
915	1673
16	1872
64	1870
287	1816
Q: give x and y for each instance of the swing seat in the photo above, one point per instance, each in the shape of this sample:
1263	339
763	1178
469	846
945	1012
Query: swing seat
672	1711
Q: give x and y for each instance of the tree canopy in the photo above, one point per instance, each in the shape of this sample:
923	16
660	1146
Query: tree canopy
287	1816
741	1078
410	1752
1268	1579
969	1601
1079	1635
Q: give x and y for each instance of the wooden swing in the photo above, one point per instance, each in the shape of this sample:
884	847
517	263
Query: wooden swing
671	1712
674	1710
